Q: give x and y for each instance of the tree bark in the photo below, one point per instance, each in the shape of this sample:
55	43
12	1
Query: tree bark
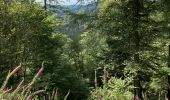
45	4
168	94
137	7
167	10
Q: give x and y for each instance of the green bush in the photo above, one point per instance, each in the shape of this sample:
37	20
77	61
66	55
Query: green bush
114	89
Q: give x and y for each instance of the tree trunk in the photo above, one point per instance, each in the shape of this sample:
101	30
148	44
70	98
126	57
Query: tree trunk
137	6
167	20
45	4
168	94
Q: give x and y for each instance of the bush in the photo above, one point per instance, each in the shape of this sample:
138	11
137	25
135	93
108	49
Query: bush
114	89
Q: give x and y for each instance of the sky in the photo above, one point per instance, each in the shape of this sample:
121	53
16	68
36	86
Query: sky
69	2
65	2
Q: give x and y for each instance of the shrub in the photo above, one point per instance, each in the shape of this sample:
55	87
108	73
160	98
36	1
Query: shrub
113	89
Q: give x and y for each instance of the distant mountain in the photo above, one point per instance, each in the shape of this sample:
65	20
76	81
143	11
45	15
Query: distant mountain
74	8
81	8
73	25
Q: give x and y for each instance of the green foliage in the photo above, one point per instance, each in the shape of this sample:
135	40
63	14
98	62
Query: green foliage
137	43
129	38
114	89
29	35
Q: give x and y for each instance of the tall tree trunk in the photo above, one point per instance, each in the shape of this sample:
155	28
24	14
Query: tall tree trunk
137	5
168	94
166	4
45	4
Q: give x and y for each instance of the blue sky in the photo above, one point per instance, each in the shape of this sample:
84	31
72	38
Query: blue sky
66	2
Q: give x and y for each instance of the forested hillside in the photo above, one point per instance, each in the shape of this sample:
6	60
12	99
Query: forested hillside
101	50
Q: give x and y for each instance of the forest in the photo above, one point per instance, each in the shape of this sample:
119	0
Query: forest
90	50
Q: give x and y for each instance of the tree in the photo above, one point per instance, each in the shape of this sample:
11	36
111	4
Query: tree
135	38
166	12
